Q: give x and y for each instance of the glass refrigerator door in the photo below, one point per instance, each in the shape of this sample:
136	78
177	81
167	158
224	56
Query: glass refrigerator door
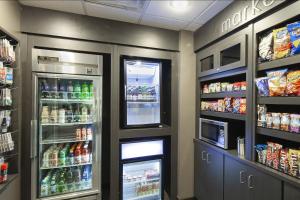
142	93
142	180
67	128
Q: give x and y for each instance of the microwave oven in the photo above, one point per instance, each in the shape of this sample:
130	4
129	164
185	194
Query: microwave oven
219	133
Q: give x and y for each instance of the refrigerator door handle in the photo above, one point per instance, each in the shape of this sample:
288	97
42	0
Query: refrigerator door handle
33	140
125	92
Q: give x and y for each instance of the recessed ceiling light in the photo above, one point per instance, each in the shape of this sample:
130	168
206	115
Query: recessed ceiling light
179	4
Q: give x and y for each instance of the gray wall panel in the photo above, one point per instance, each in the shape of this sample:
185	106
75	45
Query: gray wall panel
48	22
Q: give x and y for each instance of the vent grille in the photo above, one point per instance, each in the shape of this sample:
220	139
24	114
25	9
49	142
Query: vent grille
131	5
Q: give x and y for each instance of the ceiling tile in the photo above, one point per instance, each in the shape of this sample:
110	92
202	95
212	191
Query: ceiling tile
72	6
193	27
211	11
161	22
102	11
164	9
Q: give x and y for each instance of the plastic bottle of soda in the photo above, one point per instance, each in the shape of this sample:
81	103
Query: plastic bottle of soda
85	153
77	90
91	90
77	177
62	90
61	185
69	114
71	160
45	186
70	180
77	154
84	91
70	90
53	187
77	117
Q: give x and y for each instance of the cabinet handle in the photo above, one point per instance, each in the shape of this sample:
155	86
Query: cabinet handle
202	155
250	179
241	177
208	161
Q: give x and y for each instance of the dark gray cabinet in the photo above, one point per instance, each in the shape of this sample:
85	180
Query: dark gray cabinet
247	183
208	173
291	192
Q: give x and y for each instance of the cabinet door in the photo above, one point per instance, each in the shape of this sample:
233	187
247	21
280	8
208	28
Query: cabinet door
200	171
262	186
291	192
235	180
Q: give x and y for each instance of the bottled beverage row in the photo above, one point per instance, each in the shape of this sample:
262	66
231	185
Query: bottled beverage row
64	89
63	155
66	114
141	93
59	181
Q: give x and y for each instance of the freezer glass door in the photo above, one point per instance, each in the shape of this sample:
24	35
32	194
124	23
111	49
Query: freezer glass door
142	180
67	133
142	92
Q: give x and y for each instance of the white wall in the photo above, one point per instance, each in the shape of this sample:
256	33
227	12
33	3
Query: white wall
186	126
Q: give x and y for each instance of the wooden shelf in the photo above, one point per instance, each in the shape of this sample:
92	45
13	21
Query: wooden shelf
223	95
294	137
292	60
279	100
224	115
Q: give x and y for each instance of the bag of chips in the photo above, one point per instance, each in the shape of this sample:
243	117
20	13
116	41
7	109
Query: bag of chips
236	104
228	106
284	160
265	47
273	155
282	44
277	82
293	83
294	31
261	150
262	86
293	162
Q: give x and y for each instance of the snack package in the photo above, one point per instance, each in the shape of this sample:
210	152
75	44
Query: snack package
205	89
224	87
295	123
243	106
261	150
293	83
282	44
265	47
277	82
293	162
261	115
269	119
218	87
221	105
284	161
228	104
212	88
276	120
273	155
243	85
285	122
230	87
294	31
262	86
236	104
237	86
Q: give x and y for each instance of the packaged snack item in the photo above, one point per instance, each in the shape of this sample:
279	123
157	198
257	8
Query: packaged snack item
224	87
215	106
218	87
273	154
294	31
265	47
295	123
230	87
284	160
293	162
276	120
269	120
285	122
237	86
205	89
228	104
262	86
243	106
261	115
277	82
282	44
261	150
236	105
293	83
212	88
9	75
221	105
243	85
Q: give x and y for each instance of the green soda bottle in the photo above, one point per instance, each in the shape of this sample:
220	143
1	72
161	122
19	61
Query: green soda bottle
61	185
84	91
53	187
45	186
77	90
91	90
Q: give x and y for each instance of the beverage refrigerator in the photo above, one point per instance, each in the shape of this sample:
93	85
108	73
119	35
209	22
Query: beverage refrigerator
66	129
141	87
141	170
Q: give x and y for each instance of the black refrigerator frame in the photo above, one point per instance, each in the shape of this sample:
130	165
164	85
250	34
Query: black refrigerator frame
142	159
123	98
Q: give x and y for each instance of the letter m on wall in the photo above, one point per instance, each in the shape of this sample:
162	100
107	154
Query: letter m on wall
226	25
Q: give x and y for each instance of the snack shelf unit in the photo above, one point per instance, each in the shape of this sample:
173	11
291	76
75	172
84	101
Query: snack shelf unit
281	104
224	115
12	157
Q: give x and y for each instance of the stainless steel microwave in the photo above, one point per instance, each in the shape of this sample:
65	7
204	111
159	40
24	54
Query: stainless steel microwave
214	132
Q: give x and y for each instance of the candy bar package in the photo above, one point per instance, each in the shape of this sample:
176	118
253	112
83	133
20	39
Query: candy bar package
243	106
282	44
277	82
261	150
261	115
273	155
236	105
218	87
294	31
221	105
262	86
265	47
293	162
237	86
293	83
284	161
228	104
